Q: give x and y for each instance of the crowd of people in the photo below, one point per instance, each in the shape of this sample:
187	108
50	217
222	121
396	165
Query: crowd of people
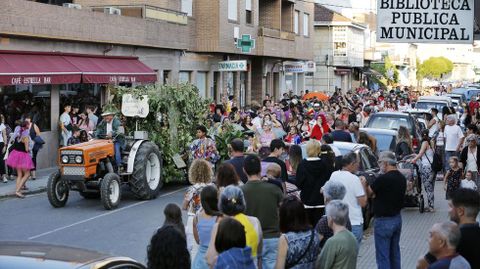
287	198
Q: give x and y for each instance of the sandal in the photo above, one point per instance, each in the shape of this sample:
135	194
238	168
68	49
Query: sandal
429	210
24	188
19	195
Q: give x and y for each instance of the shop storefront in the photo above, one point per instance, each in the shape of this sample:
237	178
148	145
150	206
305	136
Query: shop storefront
37	84
232	79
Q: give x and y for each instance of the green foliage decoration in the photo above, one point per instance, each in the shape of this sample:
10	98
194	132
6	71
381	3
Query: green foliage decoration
223	139
175	111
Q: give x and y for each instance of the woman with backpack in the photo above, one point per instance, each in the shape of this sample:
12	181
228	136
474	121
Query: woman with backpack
425	160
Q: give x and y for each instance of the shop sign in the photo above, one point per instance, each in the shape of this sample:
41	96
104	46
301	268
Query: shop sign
230	66
425	21
31	80
135	107
246	44
298	67
342	71
122	79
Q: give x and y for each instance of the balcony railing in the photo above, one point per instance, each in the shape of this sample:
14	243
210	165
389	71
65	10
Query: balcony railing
152	12
275	33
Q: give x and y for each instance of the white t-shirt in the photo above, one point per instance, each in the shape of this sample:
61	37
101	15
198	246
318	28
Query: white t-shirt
471	160
354	188
2	129
468	184
452	134
109	128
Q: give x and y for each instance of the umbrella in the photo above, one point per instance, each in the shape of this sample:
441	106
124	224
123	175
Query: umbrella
320	96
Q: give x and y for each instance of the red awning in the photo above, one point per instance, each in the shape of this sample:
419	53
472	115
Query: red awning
112	70
22	68
54	68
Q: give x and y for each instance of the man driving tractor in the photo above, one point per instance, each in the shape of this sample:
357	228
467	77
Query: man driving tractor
108	128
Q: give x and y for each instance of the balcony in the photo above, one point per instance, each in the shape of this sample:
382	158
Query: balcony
275	33
148	12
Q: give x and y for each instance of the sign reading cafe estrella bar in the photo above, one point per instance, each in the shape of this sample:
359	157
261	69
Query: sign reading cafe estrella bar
425	21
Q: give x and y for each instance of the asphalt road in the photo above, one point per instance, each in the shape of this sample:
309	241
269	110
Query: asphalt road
83	223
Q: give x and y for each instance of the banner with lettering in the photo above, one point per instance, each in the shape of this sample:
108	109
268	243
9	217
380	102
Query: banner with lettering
425	21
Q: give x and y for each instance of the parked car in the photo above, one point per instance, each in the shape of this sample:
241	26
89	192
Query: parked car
467	92
460	98
393	121
386	139
429	102
34	255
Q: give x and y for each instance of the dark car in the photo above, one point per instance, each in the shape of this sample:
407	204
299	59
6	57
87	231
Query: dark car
386	139
34	255
393	121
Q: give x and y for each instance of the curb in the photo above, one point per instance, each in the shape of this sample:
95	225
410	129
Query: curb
30	192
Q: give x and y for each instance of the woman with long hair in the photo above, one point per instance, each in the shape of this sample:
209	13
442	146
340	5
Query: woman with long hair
203	224
247	123
404	143
168	249
85	123
19	158
226	176
424	158
299	244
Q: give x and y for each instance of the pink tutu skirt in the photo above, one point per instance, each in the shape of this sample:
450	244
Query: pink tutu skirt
21	160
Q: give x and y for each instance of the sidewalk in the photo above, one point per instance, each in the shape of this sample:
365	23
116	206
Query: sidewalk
414	238
34	186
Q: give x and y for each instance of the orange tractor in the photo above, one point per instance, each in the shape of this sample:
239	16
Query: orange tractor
88	168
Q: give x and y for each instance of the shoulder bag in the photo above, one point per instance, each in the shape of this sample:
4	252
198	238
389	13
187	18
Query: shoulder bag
290	265
436	163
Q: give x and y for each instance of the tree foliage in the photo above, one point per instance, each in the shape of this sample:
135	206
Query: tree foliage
175	111
388	70
434	68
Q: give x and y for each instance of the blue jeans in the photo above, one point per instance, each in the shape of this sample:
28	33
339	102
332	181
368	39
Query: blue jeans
118	153
387	241
449	154
269	253
357	231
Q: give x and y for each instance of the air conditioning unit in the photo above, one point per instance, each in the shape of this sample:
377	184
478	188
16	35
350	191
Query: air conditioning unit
112	11
69	5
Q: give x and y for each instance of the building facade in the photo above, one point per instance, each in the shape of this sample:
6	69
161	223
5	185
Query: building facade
338	52
225	47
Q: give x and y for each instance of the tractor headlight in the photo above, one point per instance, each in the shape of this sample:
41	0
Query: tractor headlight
64	159
78	159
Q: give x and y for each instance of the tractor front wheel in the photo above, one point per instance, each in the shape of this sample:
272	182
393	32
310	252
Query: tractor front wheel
110	191
57	190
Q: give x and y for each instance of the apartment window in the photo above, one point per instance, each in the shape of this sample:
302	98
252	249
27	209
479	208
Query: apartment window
296	17
248	12
306	25
187	7
202	84
184	76
233	10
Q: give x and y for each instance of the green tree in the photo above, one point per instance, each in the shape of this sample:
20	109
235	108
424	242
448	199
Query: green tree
434	68
388	70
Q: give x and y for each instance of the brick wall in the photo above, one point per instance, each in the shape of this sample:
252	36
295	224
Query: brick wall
25	18
270	12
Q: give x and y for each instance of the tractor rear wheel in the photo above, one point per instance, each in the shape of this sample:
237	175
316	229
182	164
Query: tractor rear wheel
110	191
146	179
57	190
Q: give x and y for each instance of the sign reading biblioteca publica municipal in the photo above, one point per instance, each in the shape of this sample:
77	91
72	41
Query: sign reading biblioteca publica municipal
425	21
